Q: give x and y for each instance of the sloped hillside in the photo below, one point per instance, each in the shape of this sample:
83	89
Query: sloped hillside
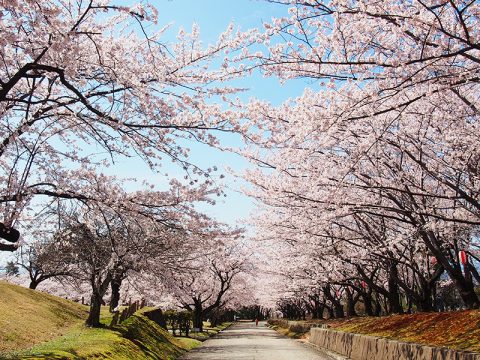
136	338
30	317
35	325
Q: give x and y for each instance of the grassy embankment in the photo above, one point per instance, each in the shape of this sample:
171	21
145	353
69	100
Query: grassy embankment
292	329
35	325
209	331
459	330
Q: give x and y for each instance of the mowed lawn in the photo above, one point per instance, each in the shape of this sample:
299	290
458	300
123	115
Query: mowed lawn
35	325
29	317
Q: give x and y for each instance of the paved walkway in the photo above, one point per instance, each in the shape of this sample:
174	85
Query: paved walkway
246	341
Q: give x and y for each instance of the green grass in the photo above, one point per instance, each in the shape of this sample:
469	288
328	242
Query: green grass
34	325
188	343
217	328
79	343
209	331
136	338
200	336
287	332
30	317
283	327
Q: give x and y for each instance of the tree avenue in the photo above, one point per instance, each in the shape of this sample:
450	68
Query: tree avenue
87	75
83	84
215	281
367	184
370	179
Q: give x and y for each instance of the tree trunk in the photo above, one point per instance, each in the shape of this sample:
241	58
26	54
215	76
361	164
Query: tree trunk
425	302
467	293
350	303
318	311
378	307
337	305
33	284
465	288
94	314
367	303
214	319
394	303
99	288
198	317
338	308
393	298
330	312
115	297
409	305
463	283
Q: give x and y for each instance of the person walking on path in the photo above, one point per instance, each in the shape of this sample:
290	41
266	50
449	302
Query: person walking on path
256	321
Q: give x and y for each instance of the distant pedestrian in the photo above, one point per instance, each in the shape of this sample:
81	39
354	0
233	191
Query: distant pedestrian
256	321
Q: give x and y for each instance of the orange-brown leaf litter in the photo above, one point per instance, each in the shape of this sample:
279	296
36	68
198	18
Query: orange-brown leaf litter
458	330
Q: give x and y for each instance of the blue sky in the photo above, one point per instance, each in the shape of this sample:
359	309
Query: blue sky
213	17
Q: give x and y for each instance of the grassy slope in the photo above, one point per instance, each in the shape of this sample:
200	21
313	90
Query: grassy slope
32	317
187	343
209	331
285	327
289	333
458	330
136	338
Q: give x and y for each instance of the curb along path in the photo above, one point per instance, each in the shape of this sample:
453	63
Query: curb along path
247	341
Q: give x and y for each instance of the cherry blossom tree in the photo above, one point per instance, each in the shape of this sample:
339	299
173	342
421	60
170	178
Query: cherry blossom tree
372	172
102	243
42	261
84	82
212	277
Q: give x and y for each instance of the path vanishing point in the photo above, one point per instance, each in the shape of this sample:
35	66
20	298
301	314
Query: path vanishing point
245	341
